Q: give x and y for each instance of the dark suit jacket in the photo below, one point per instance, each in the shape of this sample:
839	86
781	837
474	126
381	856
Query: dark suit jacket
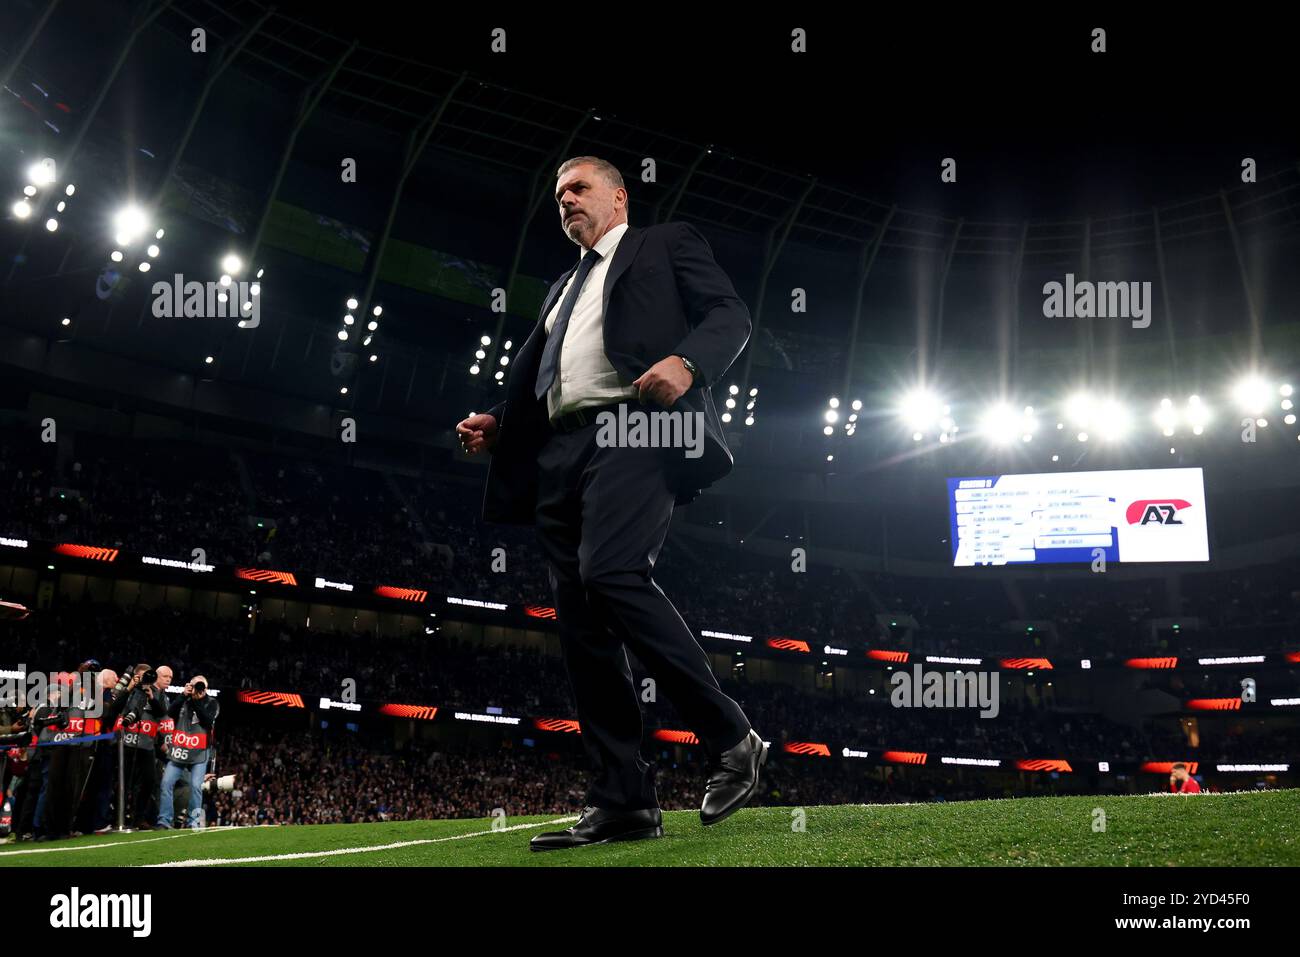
664	295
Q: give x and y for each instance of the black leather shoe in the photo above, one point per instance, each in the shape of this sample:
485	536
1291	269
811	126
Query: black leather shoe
598	825
733	779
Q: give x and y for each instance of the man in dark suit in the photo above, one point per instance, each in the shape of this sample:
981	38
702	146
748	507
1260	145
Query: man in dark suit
646	320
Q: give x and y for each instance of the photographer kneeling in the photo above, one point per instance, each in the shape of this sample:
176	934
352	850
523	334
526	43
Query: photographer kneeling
194	713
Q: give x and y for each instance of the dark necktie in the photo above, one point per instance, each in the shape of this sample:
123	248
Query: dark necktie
550	364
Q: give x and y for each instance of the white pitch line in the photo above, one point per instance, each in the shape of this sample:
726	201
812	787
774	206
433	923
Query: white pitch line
180	832
302	855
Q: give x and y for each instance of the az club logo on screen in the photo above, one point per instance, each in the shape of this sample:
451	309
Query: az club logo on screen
1156	511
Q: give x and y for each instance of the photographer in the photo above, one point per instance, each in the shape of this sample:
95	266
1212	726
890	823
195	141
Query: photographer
162	741
29	815
96	809
141	704
194	713
70	764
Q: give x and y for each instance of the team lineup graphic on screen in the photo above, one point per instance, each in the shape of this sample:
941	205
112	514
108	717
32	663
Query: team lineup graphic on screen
1133	515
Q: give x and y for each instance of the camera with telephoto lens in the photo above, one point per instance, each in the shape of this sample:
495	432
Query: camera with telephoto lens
225	782
147	677
200	687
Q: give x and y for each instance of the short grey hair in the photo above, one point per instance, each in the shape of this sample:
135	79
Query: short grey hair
606	169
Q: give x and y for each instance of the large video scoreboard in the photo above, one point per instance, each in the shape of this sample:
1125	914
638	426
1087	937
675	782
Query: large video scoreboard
1134	515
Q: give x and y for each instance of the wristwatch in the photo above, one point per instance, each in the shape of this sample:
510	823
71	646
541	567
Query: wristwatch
692	368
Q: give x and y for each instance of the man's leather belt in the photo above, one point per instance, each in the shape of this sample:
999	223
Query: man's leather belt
579	418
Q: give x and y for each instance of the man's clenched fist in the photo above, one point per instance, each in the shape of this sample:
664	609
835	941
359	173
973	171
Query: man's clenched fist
664	382
477	434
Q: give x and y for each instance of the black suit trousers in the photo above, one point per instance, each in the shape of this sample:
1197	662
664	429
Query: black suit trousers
602	517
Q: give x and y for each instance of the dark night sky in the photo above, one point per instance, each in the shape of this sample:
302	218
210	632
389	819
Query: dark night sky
1039	125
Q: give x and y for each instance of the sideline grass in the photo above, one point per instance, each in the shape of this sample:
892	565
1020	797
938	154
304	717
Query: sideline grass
1259	829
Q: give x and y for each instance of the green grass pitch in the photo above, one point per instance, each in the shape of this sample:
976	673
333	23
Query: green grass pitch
1250	829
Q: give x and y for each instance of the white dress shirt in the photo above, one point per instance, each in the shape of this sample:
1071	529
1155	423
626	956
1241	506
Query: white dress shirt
586	376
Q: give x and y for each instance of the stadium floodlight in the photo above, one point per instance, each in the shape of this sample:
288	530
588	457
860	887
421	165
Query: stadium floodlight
348	319
857	405
486	340
508	343
920	410
160	234
208	360
255	289
734	389
67	322
1289	418
372	326
731	403
1251	393
1113	420
749	420
225	279
474	370
726	417
377	311
70	190
480	354
343	335
832	416
153	251
1028	423
1166	416
1079	409
1287	404
231	263
1001	424
500	375
61	207
753	391
829	430
51	224
144	267
505	360
343	391
42	173
1196	413
22	209
352	302
833	402
29	191
129	222
1284	389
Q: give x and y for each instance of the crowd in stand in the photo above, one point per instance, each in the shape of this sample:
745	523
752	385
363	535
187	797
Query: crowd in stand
312	778
466	674
166	498
283	511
